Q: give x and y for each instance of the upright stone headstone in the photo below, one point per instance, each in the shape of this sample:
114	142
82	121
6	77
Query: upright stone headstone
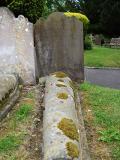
8	56
16	46
59	46
25	49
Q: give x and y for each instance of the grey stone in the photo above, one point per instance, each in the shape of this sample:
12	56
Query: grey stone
59	46
7	41
25	49
16	46
57	109
9	93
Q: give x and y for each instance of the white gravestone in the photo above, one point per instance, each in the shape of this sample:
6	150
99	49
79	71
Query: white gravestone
17	46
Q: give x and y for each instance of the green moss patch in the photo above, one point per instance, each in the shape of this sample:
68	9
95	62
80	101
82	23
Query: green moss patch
60	85
62	95
69	128
72	150
60	74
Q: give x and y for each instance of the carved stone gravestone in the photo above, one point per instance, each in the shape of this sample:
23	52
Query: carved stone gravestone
59	46
16	46
25	49
8	55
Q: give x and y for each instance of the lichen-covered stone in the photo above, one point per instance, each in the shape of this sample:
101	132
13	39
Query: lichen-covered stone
60	85
62	95
73	150
60	74
69	128
59	46
60	123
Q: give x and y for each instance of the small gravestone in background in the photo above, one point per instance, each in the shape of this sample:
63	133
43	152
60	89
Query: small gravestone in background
97	39
59	46
16	46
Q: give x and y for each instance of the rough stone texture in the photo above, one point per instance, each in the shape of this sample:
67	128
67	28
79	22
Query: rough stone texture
16	46
55	110
8	56
9	93
7	83
25	49
59	46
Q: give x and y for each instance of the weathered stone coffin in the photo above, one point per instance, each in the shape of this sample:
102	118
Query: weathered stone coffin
60	121
16	46
59	46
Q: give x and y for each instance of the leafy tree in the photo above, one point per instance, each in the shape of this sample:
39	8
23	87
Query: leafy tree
110	17
32	9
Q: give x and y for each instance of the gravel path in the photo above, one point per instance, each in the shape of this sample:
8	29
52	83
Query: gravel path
103	77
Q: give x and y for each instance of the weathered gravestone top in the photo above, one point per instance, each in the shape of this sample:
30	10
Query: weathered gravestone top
59	46
16	46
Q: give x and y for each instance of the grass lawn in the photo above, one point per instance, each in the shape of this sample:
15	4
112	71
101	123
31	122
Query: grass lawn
15	128
102	57
101	107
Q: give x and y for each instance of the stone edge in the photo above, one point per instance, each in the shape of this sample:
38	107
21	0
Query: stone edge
104	68
10	102
83	138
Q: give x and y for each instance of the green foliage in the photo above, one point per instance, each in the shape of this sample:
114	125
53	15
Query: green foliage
88	43
110	17
32	9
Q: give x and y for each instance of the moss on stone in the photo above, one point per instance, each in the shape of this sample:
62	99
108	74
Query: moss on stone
72	150
60	85
62	95
60	80
60	74
68	127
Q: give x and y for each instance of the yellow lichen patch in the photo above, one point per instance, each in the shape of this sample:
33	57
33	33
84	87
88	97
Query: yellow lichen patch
60	85
60	74
69	128
62	95
60	80
72	150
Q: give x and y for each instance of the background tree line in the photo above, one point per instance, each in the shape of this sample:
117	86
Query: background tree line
104	15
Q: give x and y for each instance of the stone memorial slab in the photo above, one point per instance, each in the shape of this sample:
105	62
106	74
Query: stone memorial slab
16	46
25	49
59	46
8	56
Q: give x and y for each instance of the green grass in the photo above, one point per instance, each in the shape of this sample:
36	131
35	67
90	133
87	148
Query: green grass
23	111
30	95
102	57
105	105
9	143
